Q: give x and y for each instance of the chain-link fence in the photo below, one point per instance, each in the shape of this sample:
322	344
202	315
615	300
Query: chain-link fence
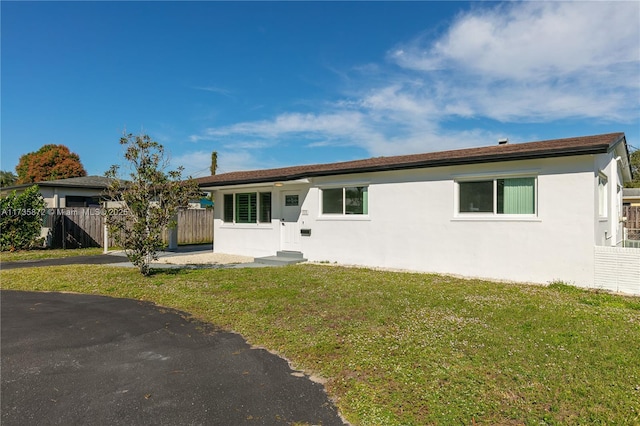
631	237
632	226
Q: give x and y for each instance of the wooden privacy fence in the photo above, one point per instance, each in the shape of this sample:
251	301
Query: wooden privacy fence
632	213
195	226
76	227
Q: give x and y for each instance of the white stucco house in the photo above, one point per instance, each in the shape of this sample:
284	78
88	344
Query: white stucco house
528	212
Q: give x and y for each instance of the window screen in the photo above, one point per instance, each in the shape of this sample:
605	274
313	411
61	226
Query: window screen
265	207
512	196
347	200
332	201
228	207
476	197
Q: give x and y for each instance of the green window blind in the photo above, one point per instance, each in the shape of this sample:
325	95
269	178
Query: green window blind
365	200
516	196
246	205
356	200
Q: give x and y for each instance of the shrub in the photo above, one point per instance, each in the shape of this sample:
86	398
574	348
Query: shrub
21	219
151	199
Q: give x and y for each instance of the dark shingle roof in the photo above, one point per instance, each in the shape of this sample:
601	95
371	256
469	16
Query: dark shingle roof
80	182
550	148
90	182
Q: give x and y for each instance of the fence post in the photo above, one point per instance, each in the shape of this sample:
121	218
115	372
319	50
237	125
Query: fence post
64	233
105	238
173	236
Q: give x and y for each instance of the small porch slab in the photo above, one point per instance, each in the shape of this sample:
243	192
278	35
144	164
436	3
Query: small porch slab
281	258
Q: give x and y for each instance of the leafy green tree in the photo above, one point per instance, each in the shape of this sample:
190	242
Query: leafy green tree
48	163
7	178
214	162
21	219
634	158
150	196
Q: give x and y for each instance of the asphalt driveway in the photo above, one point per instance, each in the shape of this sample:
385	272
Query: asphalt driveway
99	259
79	359
102	259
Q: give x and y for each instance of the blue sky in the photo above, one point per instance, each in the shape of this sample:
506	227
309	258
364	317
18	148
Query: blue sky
271	84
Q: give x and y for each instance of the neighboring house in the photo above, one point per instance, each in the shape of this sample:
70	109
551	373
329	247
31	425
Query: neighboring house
205	203
84	191
529	212
631	197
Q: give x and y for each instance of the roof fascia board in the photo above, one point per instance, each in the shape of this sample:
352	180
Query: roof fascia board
16	187
489	158
621	149
74	186
231	186
52	185
614	145
255	184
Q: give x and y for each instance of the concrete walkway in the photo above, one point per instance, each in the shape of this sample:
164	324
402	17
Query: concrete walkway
79	359
118	258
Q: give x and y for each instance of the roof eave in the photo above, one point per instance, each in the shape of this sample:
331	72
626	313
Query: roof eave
621	149
489	158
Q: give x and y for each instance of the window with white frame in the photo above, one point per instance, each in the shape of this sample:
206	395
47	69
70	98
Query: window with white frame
602	195
348	200
504	196
248	207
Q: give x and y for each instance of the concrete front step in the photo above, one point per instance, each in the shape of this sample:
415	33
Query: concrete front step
282	258
290	254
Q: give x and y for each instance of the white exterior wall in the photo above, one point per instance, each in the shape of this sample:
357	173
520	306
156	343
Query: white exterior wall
249	239
413	223
51	197
56	197
609	228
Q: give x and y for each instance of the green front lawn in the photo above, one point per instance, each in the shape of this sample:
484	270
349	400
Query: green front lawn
411	349
8	256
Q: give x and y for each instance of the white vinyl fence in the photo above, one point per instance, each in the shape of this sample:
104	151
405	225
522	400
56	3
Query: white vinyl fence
617	269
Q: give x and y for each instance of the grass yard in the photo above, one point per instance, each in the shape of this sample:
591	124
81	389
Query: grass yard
410	349
7	256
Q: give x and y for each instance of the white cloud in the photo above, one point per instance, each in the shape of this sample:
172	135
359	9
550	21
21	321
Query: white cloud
195	163
214	89
535	60
520	62
198	163
231	161
290	123
532	40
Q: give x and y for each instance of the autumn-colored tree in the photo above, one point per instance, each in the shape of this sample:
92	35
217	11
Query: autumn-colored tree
48	163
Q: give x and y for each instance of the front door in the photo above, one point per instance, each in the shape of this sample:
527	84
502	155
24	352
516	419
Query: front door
290	222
